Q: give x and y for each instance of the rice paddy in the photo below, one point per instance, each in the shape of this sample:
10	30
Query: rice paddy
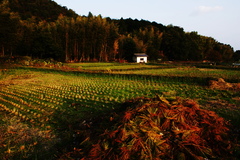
54	100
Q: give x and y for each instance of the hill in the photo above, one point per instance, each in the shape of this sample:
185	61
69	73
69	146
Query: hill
44	29
40	9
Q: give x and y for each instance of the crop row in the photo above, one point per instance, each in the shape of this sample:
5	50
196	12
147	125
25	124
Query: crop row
25	113
45	100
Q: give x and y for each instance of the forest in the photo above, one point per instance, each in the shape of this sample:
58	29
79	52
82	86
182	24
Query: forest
43	29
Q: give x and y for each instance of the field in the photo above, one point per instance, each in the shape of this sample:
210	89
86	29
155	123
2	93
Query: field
55	104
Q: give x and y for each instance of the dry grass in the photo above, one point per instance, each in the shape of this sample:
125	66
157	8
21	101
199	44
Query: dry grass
161	129
19	141
18	79
221	84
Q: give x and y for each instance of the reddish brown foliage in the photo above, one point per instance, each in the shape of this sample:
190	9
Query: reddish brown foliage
160	129
222	85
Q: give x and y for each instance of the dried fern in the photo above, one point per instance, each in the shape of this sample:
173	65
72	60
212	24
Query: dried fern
162	129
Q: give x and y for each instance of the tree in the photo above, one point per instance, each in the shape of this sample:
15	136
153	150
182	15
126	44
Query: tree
127	48
47	10
26	36
236	56
193	46
226	51
63	25
174	43
28	29
9	24
89	38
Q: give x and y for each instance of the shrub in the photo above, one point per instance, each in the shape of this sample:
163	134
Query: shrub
163	129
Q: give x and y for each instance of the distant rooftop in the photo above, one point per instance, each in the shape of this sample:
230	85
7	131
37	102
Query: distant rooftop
140	55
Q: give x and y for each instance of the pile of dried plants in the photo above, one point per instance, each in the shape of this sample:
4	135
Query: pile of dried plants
164	129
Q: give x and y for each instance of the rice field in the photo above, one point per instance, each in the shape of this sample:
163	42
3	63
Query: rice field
56	100
111	66
36	94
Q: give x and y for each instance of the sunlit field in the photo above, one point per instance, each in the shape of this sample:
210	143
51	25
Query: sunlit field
170	70
111	66
188	72
56	101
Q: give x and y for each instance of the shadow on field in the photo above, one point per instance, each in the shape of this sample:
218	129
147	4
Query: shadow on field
78	122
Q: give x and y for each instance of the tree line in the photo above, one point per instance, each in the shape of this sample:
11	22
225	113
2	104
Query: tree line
66	36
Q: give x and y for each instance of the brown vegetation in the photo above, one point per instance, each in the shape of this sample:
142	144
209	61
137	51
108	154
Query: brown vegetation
20	141
162	129
222	85
15	79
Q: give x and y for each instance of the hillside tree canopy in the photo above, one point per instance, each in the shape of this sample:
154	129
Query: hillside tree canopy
43	29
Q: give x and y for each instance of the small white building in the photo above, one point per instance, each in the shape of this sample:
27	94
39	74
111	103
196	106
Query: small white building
236	64
140	58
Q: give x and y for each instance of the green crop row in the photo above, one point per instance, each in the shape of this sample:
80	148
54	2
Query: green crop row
58	90
232	75
56	100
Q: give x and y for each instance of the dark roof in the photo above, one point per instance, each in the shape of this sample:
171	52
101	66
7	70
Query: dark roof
140	55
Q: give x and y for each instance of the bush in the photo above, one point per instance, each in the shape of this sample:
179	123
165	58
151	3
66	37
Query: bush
164	129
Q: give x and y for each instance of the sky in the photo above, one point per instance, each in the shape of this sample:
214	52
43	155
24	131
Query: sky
219	19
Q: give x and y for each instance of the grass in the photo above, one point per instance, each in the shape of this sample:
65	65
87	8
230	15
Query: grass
233	75
168	70
57	101
110	66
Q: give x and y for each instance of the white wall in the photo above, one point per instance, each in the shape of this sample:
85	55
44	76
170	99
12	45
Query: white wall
141	59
